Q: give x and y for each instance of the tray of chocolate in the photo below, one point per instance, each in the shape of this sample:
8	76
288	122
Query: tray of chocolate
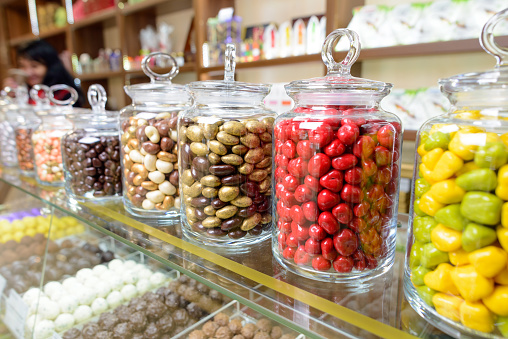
160	314
235	321
76	300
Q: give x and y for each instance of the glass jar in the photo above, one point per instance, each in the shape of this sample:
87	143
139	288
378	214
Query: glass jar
336	171
46	139
8	119
455	273
225	161
91	151
148	137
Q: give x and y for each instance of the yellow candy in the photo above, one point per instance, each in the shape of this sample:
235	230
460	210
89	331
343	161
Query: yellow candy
497	302
468	166
17	236
463	145
428	204
6	237
430	159
502	277
476	316
421	150
459	257
440	280
472	285
502	236
447	192
446	239
18	226
448	306
504	139
29	222
488	261
426	173
447	165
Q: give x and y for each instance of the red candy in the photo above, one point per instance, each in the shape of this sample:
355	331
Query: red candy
335	186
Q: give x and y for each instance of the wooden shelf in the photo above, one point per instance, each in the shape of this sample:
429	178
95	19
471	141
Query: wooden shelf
409	135
268	63
99	16
98	75
188	67
129	9
43	35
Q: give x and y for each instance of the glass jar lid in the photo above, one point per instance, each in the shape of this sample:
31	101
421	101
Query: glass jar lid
494	80
55	107
338	86
97	98
159	89
229	88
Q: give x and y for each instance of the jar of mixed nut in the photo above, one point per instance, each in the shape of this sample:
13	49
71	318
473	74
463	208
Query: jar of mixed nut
46	139
336	171
225	146
148	137
91	151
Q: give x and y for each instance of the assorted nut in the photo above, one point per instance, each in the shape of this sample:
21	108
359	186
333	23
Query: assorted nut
24	149
150	162
92	165
226	175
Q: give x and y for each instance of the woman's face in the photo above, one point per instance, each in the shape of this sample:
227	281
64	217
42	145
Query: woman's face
35	71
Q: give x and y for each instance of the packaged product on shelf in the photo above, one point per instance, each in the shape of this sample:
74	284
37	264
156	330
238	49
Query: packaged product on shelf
404	22
314	35
285	39
455	272
46	139
91	151
225	148
336	172
148	137
270	42
299	42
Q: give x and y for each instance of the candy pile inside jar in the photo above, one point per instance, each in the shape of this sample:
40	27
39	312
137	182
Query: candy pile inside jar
226	174
150	160
336	181
24	148
48	155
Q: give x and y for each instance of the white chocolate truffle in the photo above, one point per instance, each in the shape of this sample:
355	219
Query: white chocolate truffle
63	322
84	274
129	292
99	305
31	295
116	283
116	265
82	313
33	307
32	320
143	285
102	289
52	287
108	275
91	282
70	284
157	279
114	299
99	270
86	296
145	273
129	264
44	329
57	295
130	277
139	267
68	303
48	309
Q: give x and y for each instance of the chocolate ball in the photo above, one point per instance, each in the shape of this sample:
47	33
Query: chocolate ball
221	319
90	330
104	335
155	309
138	321
73	333
151	332
108	321
122	331
166	324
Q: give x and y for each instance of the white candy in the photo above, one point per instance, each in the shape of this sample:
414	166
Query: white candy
70	283
33	307
102	288
130	277
143	285
116	283
86	296
129	264
99	270
31	296
99	305
57	295
157	279
139	267
82	313
92	282
48	309
31	321
44	329
63	322
129	292
145	273
108	275
114	299
68	304
84	274
52	287
116	265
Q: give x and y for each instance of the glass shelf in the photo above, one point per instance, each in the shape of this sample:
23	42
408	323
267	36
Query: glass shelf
371	309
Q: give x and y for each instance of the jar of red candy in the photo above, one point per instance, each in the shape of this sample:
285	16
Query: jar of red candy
336	174
46	139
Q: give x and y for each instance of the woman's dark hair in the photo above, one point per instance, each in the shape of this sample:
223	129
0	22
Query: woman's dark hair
41	51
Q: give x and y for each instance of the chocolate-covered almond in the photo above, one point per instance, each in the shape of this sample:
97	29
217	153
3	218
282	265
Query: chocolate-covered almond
233	180
247	211
200	202
231	223
200	214
237	234
222	170
217	203
151	148
216	232
201	164
250	189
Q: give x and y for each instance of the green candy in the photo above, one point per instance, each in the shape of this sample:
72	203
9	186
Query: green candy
483	208
437	140
421	186
426	293
451	217
417	210
502	325
431	256
415	254
422	226
493	155
417	275
477	236
482	179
